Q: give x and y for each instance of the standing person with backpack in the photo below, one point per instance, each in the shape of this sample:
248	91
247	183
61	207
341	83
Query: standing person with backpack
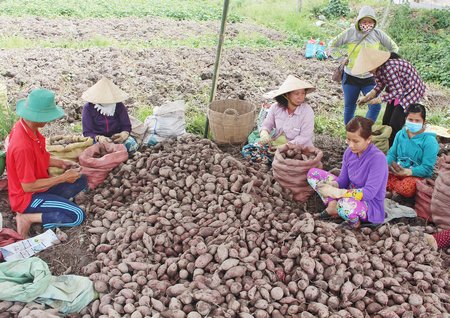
363	34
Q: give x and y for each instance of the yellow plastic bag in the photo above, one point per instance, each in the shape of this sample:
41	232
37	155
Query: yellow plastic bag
380	137
67	148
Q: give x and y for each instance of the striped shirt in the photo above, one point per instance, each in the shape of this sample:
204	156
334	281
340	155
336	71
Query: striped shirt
402	82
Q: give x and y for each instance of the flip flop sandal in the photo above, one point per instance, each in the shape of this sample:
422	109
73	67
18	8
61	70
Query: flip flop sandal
325	216
347	226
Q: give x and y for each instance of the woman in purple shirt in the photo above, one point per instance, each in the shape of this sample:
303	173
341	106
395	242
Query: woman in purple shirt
289	120
105	118
357	195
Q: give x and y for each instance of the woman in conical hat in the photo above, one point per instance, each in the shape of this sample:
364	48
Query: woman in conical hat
105	117
366	31
399	79
289	120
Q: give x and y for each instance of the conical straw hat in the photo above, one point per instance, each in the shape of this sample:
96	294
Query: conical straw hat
291	83
438	130
104	92
369	59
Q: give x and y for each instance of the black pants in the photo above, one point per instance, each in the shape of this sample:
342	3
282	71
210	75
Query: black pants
395	117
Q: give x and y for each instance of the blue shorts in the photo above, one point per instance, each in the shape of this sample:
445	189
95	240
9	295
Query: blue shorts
56	208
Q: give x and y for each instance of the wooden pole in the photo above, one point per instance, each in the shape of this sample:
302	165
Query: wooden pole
217	63
299	6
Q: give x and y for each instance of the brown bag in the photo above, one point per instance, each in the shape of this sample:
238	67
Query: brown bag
423	198
339	71
441	195
291	174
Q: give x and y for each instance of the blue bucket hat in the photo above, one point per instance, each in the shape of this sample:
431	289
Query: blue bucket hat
39	107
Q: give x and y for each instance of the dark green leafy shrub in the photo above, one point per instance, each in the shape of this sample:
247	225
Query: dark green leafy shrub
424	40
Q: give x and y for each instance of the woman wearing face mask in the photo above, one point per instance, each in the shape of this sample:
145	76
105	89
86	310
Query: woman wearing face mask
357	195
290	120
413	154
398	78
365	31
105	118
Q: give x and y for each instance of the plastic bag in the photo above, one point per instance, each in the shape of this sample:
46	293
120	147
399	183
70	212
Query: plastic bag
99	159
380	137
315	48
440	200
167	120
30	280
291	174
66	148
138	129
423	198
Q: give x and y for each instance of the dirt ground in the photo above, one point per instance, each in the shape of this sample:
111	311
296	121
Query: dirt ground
154	75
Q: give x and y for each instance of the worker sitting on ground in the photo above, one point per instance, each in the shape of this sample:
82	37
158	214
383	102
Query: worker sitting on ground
357	195
413	154
35	196
290	120
105	117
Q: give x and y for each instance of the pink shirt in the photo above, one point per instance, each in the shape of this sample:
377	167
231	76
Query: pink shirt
298	126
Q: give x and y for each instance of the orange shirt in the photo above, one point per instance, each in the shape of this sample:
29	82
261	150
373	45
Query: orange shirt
27	160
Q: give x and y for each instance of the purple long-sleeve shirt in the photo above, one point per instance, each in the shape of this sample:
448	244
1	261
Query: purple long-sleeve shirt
95	123
298	126
370	174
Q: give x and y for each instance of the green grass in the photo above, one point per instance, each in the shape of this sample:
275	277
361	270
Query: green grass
440	118
250	40
201	10
7	115
7	120
143	112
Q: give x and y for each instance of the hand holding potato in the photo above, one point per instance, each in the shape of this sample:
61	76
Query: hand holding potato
71	175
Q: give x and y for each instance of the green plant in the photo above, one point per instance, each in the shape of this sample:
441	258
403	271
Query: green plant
7	116
142	112
7	121
329	124
424	40
336	9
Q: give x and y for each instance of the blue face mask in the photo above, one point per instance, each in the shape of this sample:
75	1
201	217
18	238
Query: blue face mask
413	127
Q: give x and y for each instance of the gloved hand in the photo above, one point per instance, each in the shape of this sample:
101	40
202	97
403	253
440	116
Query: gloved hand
328	191
265	137
119	138
100	138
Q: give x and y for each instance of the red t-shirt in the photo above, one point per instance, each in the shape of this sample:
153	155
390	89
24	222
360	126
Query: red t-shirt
27	160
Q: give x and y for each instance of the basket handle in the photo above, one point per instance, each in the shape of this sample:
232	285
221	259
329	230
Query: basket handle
231	111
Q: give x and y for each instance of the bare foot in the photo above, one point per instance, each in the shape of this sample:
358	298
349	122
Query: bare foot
332	208
24	221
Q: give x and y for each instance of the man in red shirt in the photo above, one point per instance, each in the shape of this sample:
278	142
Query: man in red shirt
36	197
